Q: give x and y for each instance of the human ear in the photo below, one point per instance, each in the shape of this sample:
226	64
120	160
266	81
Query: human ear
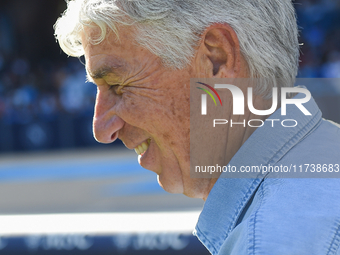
220	52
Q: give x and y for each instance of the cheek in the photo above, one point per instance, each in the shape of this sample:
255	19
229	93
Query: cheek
165	113
180	109
179	123
139	110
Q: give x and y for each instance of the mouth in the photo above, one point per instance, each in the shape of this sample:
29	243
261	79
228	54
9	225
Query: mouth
143	147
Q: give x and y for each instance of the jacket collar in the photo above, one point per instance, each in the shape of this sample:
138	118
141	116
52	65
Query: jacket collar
267	145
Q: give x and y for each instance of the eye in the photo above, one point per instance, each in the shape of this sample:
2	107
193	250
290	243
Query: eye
116	88
113	86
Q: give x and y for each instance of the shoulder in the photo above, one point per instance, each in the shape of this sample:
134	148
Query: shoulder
297	216
325	135
290	216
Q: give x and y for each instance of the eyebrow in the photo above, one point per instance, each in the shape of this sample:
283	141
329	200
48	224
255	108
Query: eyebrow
102	72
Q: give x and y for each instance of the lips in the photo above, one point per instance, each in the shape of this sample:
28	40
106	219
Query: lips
143	147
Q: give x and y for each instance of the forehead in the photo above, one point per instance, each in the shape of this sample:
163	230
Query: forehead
112	53
121	42
123	54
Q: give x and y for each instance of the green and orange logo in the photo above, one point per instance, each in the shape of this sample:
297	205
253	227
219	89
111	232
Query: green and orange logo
213	90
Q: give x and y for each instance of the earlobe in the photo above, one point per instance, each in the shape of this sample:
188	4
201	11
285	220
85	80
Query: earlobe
221	47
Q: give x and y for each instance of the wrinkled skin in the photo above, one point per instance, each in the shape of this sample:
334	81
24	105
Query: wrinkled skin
139	100
151	102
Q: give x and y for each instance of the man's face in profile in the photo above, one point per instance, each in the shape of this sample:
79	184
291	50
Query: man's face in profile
144	104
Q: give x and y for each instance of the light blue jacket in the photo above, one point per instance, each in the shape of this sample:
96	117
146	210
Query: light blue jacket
279	216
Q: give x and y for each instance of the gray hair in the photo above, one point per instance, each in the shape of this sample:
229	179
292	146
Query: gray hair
171	29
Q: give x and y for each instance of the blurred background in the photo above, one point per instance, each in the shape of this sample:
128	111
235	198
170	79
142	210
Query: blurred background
63	193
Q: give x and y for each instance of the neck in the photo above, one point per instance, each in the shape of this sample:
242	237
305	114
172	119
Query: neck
233	137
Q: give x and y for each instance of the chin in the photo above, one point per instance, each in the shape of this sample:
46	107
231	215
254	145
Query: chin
171	186
192	189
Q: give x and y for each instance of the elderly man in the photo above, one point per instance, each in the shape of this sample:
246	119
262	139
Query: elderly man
142	54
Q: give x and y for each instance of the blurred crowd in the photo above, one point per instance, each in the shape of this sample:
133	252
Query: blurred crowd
319	22
38	81
27	94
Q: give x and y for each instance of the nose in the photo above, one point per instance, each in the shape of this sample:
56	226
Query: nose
106	124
